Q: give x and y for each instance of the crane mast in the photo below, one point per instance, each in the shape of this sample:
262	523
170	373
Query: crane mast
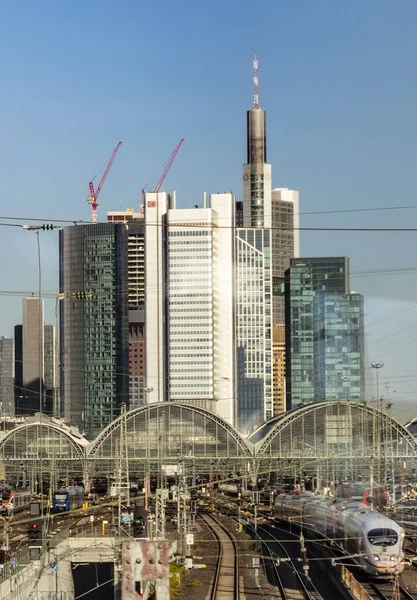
94	193
168	165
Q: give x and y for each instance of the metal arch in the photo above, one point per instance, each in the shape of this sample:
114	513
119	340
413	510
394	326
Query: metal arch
247	447
262	445
79	449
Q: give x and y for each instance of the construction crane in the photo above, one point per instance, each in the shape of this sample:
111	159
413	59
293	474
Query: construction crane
167	168
94	194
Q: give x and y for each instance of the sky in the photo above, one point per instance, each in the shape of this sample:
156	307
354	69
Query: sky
337	80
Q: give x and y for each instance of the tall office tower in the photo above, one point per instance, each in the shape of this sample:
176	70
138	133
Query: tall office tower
49	381
257	210
7	407
339	346
253	293
208	309
94	326
285	240
278	369
324	332
276	209
135	224
29	382
33	357
200	305
156	208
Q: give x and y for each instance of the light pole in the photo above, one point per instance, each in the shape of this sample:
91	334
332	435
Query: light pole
345	379
147	390
378	364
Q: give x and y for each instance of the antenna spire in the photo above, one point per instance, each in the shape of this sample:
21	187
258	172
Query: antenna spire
255	83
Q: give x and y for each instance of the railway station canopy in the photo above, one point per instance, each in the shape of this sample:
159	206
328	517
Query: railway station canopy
339	439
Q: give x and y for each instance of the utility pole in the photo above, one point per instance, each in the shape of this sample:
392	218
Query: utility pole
122	481
160	498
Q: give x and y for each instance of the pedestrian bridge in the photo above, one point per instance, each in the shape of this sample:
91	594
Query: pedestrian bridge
346	439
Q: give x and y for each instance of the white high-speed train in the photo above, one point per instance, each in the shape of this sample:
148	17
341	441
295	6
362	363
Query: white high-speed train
355	526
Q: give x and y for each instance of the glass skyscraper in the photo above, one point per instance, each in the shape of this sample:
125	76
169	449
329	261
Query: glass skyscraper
324	332
94	326
338	346
253	327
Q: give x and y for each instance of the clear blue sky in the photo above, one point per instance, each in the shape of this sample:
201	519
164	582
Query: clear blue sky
338	82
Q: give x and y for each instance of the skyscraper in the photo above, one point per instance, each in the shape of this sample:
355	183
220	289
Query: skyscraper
7	407
192	288
257	210
34	361
49	380
253	293
94	325
274	209
135	224
33	353
324	332
278	369
285	241
208	304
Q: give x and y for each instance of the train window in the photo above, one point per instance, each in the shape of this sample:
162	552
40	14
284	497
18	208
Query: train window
383	537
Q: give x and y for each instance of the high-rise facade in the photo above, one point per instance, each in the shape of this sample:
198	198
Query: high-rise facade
208	301
94	326
324	332
278	370
339	346
253	293
134	222
192	290
7	406
285	241
33	353
35	364
49	381
274	209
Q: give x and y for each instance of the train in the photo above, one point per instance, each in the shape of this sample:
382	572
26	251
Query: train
67	499
13	501
363	492
377	539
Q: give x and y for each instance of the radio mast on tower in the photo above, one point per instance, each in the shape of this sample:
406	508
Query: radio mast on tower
255	83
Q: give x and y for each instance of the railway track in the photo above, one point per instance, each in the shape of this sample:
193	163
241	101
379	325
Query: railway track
226	580
386	590
299	589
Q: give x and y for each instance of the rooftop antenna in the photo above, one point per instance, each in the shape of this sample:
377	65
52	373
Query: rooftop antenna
255	83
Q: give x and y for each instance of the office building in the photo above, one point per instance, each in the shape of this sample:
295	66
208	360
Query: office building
32	350
257	210
189	302
156	208
339	346
208	303
7	407
278	370
274	209
35	364
49	381
324	332
253	293
135	224
285	239
94	324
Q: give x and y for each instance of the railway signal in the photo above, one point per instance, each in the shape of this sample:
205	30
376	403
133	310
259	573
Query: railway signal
35	530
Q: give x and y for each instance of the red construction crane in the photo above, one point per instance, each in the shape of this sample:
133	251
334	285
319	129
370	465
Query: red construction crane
94	194
167	167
